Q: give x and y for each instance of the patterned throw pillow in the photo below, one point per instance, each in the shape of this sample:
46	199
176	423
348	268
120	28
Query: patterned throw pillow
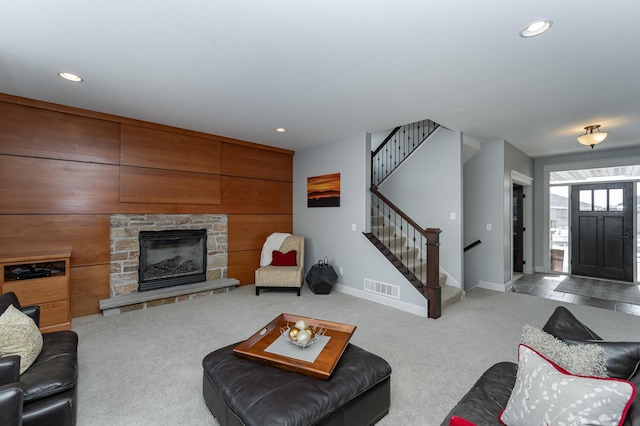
19	335
545	394
583	360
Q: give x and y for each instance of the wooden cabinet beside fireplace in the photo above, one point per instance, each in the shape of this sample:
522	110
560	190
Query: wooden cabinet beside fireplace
43	280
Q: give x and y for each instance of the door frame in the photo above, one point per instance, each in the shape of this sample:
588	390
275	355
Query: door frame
576	165
629	258
527	213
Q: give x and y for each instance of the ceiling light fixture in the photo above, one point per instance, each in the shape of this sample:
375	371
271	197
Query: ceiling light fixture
71	77
590	138
536	28
281	130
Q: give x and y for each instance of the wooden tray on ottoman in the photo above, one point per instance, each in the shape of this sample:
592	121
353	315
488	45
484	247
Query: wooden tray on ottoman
254	347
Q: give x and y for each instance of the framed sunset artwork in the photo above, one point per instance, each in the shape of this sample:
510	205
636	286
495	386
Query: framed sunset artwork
323	191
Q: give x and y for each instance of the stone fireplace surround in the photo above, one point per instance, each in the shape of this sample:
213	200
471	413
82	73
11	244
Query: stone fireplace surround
125	252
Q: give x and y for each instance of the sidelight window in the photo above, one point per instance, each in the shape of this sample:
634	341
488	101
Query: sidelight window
559	227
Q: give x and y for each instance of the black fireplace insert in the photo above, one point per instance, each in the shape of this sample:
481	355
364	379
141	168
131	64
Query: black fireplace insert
170	258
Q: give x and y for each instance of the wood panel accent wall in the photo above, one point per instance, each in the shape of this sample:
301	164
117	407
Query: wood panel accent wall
253	230
40	185
36	132
64	171
159	149
141	185
242	195
250	233
243	265
87	285
87	235
238	160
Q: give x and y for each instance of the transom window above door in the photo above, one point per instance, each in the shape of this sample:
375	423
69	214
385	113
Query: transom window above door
601	200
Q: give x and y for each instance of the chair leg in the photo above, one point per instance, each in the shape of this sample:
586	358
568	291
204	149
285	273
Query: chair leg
257	291
298	291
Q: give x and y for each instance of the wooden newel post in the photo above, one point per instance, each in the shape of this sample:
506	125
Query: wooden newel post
432	289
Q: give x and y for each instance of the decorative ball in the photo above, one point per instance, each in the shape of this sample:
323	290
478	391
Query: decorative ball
301	325
293	334
304	337
311	332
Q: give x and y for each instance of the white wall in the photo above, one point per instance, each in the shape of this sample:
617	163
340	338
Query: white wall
428	188
328	230
488	196
518	161
484	204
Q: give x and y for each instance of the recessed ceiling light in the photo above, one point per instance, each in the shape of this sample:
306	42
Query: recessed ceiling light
70	77
536	28
281	130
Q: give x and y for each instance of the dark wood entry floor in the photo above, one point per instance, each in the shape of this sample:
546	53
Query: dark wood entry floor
543	285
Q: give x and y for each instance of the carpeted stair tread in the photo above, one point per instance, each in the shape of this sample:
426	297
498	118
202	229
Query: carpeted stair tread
384	231
450	295
404	252
377	220
421	273
442	279
393	241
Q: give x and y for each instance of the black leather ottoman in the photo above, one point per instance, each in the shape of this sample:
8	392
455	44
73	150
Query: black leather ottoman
242	392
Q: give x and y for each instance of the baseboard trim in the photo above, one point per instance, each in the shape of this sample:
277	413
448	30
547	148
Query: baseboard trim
392	303
495	286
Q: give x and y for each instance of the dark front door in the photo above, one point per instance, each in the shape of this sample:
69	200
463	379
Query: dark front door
518	228
602	230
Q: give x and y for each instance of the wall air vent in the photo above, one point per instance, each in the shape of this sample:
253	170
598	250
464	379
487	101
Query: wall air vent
383	289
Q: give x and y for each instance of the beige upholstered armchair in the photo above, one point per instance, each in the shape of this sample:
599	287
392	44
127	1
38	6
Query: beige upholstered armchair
284	269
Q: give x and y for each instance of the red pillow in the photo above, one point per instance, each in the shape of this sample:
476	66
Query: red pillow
284	259
459	421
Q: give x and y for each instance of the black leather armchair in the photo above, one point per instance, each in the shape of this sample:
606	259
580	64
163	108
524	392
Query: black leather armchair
49	387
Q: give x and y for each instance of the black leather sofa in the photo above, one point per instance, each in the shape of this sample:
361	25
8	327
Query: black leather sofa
49	386
11	405
489	395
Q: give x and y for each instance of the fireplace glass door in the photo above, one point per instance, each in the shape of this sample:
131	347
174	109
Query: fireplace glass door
169	258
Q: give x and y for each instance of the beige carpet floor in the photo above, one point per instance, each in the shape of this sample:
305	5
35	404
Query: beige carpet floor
144	367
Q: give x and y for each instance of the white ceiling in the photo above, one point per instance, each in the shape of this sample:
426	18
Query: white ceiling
326	69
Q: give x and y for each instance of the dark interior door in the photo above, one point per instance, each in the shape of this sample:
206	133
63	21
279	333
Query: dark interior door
602	230
518	228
